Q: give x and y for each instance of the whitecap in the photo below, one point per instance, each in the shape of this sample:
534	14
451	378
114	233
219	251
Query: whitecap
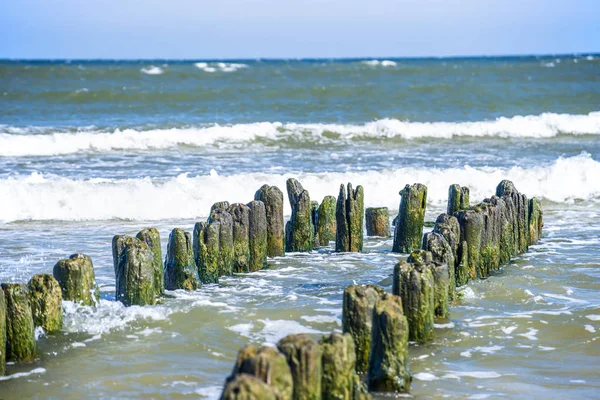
23	374
152	70
274	330
475	374
425	376
188	196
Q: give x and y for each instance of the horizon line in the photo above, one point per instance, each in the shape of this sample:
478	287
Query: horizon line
353	58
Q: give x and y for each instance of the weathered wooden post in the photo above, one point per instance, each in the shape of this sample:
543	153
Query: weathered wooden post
411	217
349	214
268	365
536	221
257	231
441	280
299	232
326	221
247	387
77	280
226	251
414	284
304	358
2	332
241	244
339	381
45	298
136	271
180	268
377	221
471	226
448	226
442	253
314	220
388	364
357	320
272	198
20	336
151	237
458	199
205	245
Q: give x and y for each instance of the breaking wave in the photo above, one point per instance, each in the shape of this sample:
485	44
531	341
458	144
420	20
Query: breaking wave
565	180
38	141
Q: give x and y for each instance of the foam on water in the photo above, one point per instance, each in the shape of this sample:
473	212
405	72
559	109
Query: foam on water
16	141
108	316
220	67
23	374
379	63
425	376
152	70
190	197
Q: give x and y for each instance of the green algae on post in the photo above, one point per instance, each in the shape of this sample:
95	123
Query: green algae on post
314	218
206	251
357	318
257	235
377	221
241	245
414	284
458	199
152	238
135	269
326	222
272	197
180	268
388	363
247	387
535	221
442	253
20	334
339	378
77	280
411	216
349	219
299	231
45	298
303	355
2	333
471	226
226	251
267	364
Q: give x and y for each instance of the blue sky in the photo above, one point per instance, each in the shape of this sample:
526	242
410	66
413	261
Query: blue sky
295	28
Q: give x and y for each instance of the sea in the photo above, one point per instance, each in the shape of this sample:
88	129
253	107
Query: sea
90	149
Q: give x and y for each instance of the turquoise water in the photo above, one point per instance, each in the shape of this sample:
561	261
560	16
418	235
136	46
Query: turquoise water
90	149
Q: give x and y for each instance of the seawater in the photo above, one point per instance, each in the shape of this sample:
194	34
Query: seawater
90	149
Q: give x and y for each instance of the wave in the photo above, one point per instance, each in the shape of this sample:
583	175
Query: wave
152	70
566	180
36	141
377	63
220	66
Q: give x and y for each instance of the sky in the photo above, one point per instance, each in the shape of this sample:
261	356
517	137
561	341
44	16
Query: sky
200	29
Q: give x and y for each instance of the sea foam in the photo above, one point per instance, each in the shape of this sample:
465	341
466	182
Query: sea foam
187	196
36	141
220	66
152	70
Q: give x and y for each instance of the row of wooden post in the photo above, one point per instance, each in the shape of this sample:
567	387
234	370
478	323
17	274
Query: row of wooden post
379	325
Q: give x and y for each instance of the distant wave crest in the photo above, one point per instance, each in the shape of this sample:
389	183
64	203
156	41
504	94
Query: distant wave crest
37	141
565	180
220	66
379	63
152	70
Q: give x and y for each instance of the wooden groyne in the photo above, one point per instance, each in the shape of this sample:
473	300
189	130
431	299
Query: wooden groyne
468	242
